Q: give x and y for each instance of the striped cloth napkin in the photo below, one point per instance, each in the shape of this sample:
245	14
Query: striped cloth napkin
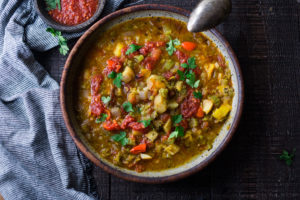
38	159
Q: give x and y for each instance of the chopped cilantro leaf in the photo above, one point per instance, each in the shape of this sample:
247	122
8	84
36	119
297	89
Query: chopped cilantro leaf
184	65
181	75
102	118
105	99
176	42
196	84
190	78
197	95
121	138
128	107
132	48
176	119
171	46
53	4
192	63
288	158
118	80
146	123
112	74
63	47
179	131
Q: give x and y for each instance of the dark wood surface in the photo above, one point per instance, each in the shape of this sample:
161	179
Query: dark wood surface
265	34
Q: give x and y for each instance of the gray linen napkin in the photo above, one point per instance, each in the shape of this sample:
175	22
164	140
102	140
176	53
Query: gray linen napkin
38	159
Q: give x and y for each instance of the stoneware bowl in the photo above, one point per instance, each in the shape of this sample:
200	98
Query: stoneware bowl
73	67
41	9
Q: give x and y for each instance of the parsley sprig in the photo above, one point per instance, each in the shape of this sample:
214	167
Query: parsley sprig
105	100
132	48
146	123
63	49
189	76
171	46
121	138
117	78
53	4
288	158
197	95
176	119
102	118
179	131
128	107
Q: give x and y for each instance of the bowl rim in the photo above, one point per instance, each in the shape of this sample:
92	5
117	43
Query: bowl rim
61	27
121	174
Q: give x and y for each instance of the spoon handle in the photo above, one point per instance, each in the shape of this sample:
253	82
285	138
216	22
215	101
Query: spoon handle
208	14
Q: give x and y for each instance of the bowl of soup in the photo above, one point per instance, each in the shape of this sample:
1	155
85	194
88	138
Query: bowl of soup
148	101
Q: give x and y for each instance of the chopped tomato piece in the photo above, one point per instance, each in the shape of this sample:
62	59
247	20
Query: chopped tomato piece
189	46
138	149
113	64
189	106
131	55
168	75
127	120
95	84
137	126
182	57
96	106
149	46
200	112
111	125
151	60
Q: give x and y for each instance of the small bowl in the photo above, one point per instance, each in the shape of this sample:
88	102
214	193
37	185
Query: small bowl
41	9
73	68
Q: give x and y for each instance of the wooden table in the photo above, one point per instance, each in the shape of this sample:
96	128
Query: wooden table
265	34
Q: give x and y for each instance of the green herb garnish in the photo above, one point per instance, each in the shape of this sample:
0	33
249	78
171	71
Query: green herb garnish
63	49
121	138
102	118
288	158
112	75
171	46
53	4
146	123
181	75
127	107
132	48
189	75
105	99
179	131
197	95
118	80
191	63
176	119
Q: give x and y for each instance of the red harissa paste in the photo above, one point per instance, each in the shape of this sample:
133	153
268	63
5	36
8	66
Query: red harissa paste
74	12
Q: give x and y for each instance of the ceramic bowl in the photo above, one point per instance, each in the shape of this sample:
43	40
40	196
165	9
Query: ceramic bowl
73	68
40	7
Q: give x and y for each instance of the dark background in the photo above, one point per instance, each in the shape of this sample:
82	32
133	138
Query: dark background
265	34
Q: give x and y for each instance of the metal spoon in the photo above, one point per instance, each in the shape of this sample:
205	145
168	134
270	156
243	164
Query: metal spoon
208	14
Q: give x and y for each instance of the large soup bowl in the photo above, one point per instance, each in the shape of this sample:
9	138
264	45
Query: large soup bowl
73	68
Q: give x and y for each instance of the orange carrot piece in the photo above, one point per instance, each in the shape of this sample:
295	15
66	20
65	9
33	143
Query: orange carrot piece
108	114
138	149
189	46
200	112
110	62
